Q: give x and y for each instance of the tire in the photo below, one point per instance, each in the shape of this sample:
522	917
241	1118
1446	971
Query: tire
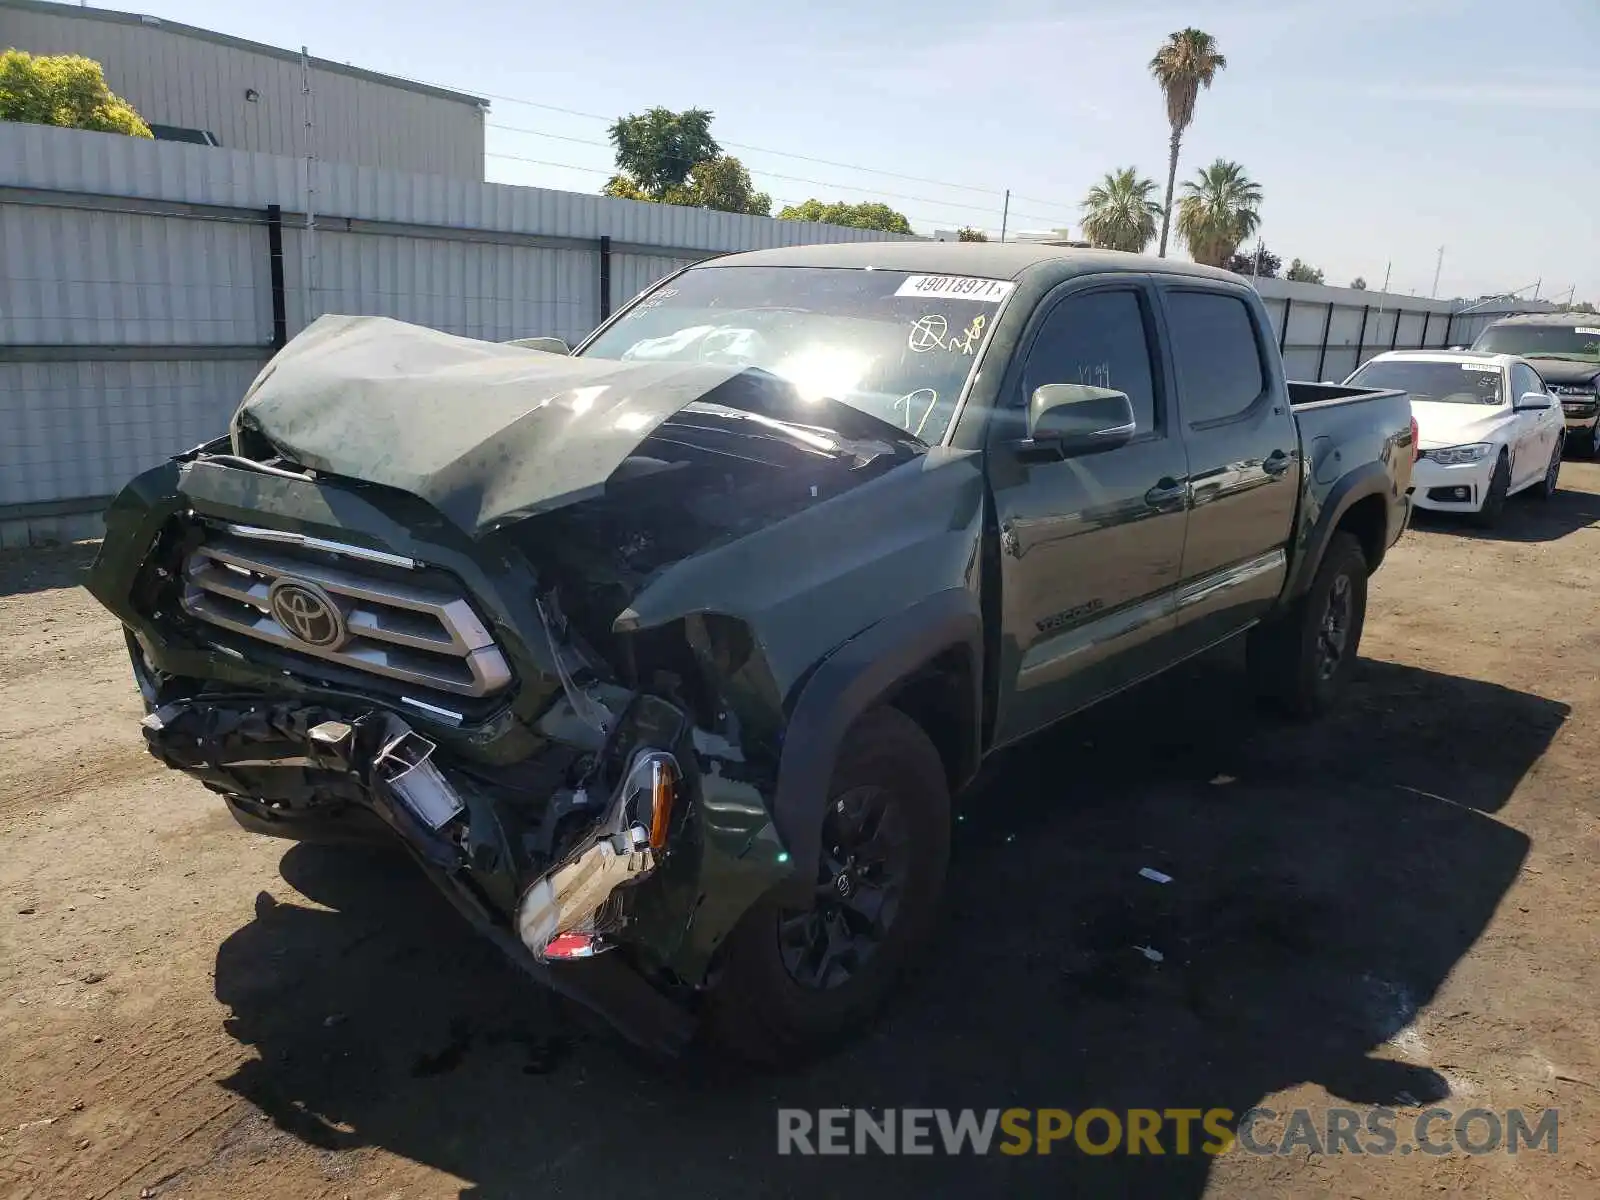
1494	500
1546	488
1592	443
1296	661
771	1003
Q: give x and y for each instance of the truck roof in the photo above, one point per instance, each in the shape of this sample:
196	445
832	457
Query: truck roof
988	260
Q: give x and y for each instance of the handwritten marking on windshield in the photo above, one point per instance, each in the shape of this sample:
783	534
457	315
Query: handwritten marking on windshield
928	333
655	300
909	400
932	332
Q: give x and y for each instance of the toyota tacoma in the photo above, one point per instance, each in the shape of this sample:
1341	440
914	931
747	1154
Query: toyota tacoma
665	657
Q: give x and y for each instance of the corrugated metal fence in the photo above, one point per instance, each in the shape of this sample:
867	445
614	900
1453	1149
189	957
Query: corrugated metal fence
143	285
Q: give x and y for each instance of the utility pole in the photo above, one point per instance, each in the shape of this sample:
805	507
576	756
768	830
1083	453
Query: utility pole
1255	270
1437	267
1005	215
1537	285
1383	292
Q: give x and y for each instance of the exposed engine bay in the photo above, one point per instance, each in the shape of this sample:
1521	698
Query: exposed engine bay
486	599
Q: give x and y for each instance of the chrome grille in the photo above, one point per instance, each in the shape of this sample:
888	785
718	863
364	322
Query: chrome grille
412	630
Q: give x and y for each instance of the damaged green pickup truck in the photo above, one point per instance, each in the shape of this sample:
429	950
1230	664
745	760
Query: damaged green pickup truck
665	658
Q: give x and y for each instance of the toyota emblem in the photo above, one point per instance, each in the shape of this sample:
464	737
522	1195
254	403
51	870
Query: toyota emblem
307	612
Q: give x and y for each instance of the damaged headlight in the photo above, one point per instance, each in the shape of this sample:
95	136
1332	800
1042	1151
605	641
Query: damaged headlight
566	911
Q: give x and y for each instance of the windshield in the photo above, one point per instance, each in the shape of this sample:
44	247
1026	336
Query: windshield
1543	341
1435	382
895	345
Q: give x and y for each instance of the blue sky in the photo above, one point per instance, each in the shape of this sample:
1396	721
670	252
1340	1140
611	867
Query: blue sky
1378	129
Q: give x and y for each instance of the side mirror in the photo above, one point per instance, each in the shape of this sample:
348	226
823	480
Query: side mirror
1070	419
550	345
1532	402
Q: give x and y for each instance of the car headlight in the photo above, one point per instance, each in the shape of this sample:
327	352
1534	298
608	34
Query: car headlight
1454	456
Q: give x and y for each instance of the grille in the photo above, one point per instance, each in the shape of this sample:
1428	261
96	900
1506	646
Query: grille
347	605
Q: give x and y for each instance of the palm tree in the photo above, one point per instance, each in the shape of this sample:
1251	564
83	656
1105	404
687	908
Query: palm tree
1220	210
1186	63
1118	213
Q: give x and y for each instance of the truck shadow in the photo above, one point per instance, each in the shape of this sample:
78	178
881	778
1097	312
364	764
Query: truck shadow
1526	518
45	568
1325	880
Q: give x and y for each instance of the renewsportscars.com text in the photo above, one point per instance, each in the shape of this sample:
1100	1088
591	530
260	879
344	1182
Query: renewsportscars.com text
1176	1131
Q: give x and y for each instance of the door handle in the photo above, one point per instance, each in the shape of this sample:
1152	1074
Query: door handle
1166	493
1276	463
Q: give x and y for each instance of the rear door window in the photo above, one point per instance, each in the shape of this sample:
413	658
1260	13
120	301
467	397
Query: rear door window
1215	354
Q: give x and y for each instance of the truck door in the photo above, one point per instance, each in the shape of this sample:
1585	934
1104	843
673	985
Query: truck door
1244	457
1089	547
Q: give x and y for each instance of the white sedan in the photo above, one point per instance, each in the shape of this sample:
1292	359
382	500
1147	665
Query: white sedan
1486	427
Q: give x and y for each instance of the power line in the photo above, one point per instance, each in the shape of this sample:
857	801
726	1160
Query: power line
786	202
822	183
828	162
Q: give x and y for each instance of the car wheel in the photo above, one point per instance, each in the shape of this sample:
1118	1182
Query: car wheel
795	981
1552	475
1592	443
1494	500
1302	661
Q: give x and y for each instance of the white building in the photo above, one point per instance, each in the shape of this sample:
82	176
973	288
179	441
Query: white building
194	85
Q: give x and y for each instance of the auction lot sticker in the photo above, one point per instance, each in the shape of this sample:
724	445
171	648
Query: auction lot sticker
956	287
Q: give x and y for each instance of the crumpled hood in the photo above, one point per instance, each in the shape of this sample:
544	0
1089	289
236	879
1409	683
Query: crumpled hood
1565	371
485	432
1458	424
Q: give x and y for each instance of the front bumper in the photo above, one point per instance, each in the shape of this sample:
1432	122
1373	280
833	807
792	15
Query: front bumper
1460	488
243	728
219	741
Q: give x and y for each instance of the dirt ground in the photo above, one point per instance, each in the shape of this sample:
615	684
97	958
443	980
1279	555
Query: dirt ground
1397	906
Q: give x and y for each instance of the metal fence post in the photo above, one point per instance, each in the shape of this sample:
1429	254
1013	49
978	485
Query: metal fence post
280	303
1283	334
1322	354
1394	337
605	277
1427	319
1361	338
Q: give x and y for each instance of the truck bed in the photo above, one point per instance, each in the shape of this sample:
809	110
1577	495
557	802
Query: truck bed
1304	394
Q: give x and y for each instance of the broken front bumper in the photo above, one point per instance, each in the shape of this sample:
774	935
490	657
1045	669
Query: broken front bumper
668	862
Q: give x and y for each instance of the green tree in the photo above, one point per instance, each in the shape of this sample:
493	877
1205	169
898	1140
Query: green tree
63	89
658	149
1220	209
1358	284
1263	264
1302	272
723	183
1187	62
866	215
1118	213
665	157
968	234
